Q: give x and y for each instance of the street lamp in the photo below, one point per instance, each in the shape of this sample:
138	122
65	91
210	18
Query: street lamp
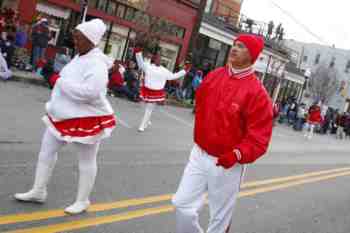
307	75
83	9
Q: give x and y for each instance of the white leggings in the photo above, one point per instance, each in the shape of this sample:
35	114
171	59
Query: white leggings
50	147
309	130
149	107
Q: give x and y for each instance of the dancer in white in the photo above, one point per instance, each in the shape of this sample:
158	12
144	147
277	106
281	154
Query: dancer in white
79	113
155	78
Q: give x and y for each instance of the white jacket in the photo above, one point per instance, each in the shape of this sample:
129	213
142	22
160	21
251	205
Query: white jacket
82	87
156	76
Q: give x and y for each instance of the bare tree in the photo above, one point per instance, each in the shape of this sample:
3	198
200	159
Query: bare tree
323	83
153	27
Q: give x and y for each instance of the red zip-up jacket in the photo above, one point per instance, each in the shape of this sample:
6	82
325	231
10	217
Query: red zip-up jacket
233	112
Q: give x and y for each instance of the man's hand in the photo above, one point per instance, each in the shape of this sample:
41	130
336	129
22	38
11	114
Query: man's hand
227	160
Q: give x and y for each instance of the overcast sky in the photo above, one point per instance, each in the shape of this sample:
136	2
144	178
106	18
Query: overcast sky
329	20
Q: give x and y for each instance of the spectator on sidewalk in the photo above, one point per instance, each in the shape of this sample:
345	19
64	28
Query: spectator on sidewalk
131	77
341	121
301	114
347	124
197	80
62	58
40	40
21	58
117	84
5	72
292	112
187	82
8	49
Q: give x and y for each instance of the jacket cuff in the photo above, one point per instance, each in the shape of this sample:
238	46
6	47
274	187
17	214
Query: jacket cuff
238	154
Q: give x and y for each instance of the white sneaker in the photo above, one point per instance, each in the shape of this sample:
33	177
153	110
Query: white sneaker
149	123
36	196
141	129
77	207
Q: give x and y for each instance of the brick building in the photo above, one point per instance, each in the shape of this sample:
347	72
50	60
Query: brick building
123	17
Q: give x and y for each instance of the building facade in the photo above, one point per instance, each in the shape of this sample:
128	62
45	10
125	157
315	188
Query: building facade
227	10
124	19
309	56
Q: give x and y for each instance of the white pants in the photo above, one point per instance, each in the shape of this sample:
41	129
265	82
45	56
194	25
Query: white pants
87	154
309	130
340	132
201	175
149	107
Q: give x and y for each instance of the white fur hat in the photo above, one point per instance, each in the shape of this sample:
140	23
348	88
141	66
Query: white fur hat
93	30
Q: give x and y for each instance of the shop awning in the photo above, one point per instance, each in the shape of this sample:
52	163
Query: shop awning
53	10
215	33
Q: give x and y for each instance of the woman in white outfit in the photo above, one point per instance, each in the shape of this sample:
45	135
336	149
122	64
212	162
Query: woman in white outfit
152	91
79	113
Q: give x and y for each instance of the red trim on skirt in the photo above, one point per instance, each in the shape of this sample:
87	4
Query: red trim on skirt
85	126
149	95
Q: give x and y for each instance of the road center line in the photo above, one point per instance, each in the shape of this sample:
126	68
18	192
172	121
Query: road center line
74	225
41	215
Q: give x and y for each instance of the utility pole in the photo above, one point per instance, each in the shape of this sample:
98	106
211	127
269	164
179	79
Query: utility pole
195	32
84	4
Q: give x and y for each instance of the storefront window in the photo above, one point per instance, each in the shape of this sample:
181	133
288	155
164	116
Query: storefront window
180	32
270	83
169	54
102	5
222	56
92	3
12	4
112	8
130	13
121	11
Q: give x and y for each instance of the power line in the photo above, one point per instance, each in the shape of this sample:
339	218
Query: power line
319	38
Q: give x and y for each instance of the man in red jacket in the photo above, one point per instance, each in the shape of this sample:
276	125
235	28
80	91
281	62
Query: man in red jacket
233	127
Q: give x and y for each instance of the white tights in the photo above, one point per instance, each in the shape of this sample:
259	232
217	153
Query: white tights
149	107
87	154
309	133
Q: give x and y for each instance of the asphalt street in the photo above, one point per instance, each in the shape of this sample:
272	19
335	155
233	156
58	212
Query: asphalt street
302	184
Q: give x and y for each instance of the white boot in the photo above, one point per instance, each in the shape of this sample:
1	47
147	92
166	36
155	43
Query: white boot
38	193
146	121
36	196
149	123
77	207
82	203
142	129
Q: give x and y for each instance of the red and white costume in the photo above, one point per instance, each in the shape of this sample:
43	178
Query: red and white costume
78	112
152	90
314	119
233	117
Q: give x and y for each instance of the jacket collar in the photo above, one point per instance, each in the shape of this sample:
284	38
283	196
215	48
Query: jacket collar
240	73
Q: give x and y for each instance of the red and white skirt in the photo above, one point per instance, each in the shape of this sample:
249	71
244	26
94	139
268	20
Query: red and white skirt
152	96
86	130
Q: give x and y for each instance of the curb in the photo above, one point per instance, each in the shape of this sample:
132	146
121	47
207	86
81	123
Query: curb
35	81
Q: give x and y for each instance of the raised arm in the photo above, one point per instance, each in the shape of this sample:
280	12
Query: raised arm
177	75
140	62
